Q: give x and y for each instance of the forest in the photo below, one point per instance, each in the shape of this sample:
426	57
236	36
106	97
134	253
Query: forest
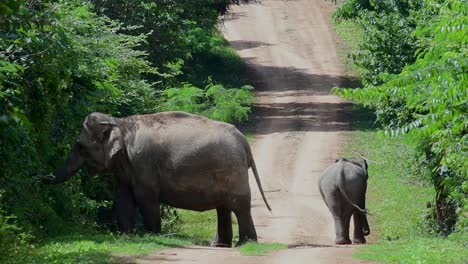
61	60
410	57
413	66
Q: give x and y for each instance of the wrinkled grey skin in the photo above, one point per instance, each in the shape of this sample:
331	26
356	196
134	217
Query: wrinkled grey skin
176	158
343	187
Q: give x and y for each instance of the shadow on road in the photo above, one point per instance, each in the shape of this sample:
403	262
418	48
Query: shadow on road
308	117
245	44
307	245
274	78
304	112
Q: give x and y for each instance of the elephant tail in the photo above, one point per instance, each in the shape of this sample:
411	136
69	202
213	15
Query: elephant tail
345	195
257	179
365	227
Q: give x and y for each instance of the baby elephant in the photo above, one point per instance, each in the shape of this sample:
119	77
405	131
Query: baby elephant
343	188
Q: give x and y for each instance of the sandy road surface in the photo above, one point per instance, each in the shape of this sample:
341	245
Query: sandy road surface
299	128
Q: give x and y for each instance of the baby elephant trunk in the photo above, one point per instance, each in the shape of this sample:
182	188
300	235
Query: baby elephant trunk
365	226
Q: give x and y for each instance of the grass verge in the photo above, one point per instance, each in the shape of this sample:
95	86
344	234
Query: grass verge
350	36
397	197
93	248
200	227
398	189
259	249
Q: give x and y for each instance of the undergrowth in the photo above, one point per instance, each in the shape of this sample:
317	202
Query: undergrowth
92	247
398	193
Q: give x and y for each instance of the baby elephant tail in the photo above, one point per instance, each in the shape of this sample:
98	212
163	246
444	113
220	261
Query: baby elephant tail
364	211
365	226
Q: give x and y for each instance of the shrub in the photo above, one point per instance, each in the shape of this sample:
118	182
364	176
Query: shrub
215	101
387	43
59	61
429	99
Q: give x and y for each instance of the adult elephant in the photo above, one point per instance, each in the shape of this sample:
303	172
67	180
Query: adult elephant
343	187
183	160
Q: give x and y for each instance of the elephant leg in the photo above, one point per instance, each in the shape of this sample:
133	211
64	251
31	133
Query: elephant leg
126	208
358	228
342	218
342	230
360	222
246	227
148	203
223	237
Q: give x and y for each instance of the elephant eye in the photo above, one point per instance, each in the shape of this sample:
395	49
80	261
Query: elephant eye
106	134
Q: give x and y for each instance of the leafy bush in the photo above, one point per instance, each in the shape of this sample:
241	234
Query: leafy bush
215	101
429	99
183	40
59	61
12	237
388	43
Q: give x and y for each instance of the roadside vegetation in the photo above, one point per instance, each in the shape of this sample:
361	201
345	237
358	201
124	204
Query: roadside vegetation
398	195
259	249
411	60
59	61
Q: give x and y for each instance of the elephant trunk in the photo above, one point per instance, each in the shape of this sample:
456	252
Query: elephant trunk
365	226
73	163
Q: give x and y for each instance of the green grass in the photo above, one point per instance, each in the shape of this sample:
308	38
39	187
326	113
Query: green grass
398	187
250	137
417	250
397	197
93	248
350	36
200	227
258	249
391	185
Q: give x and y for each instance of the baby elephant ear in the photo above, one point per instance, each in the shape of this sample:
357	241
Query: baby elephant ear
364	164
112	141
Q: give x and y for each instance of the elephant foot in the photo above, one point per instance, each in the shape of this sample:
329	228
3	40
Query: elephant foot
342	241
359	240
220	244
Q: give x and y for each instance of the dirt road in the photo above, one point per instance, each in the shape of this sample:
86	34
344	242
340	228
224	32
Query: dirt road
291	52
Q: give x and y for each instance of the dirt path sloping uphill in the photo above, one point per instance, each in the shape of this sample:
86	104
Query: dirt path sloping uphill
290	49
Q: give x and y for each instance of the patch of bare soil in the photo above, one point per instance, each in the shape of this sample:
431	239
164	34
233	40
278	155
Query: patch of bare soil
300	128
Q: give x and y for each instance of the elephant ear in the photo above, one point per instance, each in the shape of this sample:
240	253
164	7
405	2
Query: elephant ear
363	163
111	139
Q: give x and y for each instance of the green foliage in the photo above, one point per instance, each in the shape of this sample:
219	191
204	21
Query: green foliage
387	43
183	41
356	8
215	101
12	237
200	227
429	99
60	60
350	36
91	247
416	250
397	176
258	249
